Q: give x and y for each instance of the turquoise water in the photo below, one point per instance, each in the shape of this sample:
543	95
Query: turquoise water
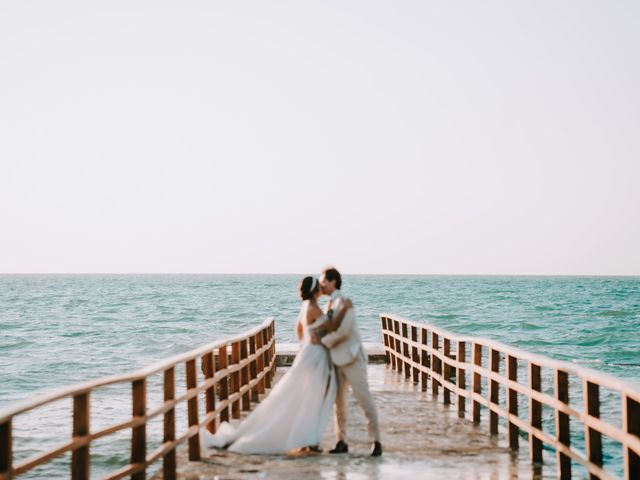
60	329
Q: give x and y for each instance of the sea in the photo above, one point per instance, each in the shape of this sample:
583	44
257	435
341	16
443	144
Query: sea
56	330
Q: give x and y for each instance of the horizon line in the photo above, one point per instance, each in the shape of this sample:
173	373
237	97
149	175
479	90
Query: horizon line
346	274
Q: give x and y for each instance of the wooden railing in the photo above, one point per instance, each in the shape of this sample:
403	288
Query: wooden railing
438	359
236	370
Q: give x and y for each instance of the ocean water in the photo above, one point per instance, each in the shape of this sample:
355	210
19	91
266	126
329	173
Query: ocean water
59	329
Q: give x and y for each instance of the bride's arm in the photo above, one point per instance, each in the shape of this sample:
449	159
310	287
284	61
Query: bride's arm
299	330
335	321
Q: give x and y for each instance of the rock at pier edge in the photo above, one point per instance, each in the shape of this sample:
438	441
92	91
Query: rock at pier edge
422	439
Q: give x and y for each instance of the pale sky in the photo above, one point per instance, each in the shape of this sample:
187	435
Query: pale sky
383	137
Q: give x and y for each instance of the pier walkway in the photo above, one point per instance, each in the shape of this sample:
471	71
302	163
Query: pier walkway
450	406
422	439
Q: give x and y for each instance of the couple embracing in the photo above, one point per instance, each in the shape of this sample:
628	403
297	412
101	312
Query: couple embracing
295	413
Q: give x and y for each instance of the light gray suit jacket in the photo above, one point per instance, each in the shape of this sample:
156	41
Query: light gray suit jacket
344	344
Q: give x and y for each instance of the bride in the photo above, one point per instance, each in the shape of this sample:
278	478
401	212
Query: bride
296	411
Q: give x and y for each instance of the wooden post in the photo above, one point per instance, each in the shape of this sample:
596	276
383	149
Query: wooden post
494	392
592	437
385	339
208	368
414	354
80	458
260	363
139	433
462	383
398	349
425	358
223	364
244	376
512	401
562	424
169	434
272	352
477	381
392	345
6	450
267	359
192	410
235	379
631	422
535	413
435	363
446	370
253	369
405	350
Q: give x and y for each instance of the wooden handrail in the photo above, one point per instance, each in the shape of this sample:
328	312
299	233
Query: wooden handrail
427	351
250	369
603	379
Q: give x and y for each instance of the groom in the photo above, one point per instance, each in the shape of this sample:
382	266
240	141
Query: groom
350	359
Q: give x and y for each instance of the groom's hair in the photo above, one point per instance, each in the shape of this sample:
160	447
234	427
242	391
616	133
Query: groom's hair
332	274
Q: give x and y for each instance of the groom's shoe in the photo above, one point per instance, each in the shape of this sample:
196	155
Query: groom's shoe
377	449
341	447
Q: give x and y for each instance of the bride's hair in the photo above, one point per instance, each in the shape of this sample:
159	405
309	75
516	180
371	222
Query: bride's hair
308	288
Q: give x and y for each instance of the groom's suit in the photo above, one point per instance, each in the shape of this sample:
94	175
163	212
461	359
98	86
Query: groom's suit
350	358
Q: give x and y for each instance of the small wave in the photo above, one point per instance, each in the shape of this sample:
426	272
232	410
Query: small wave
614	313
596	340
444	316
530	326
544	308
73	334
12	346
587	361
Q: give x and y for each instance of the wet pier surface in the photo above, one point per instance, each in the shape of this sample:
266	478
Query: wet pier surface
422	439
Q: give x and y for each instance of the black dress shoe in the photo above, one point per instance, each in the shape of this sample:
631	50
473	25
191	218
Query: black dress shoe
377	449
341	447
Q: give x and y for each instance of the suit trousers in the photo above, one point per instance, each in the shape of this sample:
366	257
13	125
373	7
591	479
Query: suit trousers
355	374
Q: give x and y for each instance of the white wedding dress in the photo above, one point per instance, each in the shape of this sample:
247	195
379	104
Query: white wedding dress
296	411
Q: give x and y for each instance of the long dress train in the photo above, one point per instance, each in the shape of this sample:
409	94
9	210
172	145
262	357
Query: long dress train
296	411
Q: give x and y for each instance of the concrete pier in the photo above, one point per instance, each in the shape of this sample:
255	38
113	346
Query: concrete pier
286	352
422	439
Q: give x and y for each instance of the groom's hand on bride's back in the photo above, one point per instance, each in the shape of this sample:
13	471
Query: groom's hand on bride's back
315	338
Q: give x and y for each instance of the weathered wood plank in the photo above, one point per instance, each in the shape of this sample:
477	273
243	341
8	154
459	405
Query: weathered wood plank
592	437
235	379
139	433
494	390
192	410
462	383
169	425
436	365
208	369
446	369
80	457
631	423
512	401
244	376
6	449
477	381
535	413
563	432
425	360
223	362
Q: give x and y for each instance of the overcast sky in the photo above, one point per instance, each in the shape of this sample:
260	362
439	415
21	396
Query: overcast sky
383	137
